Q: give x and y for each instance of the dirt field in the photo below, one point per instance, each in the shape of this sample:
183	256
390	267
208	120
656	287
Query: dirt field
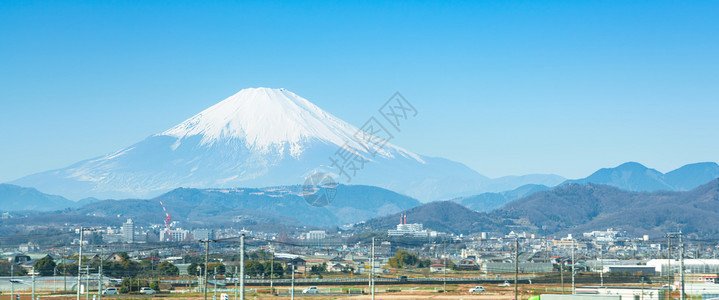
407	292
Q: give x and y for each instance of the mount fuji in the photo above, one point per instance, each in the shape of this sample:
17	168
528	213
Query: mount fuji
256	138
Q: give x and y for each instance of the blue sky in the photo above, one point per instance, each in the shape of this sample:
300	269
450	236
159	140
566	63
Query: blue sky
562	87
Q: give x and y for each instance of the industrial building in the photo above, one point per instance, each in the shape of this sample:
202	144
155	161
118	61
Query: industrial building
702	266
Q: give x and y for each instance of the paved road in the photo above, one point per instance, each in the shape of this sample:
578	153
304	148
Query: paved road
364	281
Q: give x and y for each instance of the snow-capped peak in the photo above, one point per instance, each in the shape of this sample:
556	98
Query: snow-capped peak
266	118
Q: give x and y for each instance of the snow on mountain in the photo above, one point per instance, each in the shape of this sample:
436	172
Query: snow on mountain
270	120
258	137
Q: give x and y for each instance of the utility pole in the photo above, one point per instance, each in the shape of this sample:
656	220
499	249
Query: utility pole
235	280
669	259
292	292
214	278
54	279
272	272
444	270
670	273
64	271
369	272
99	273
681	264
204	278
516	268
99	283
642	288
371	268
207	253
87	283
79	265
12	281
573	263
561	275
242	267
601	272
199	278
33	282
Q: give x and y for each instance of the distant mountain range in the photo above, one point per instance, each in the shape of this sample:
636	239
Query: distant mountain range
636	177
629	176
490	201
269	137
443	216
584	207
592	203
576	208
15	198
263	137
251	206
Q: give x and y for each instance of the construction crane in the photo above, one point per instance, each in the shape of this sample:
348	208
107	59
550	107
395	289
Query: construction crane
167	221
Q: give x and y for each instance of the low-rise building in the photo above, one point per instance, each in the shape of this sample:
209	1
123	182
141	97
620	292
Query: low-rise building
436	268
467	264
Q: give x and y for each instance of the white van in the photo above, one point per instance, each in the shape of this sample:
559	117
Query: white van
311	290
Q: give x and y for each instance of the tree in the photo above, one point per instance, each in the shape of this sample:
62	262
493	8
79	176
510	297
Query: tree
261	254
423	263
124	256
275	268
192	259
130	268
18	271
147	265
111	268
168	269
318	269
95	239
255	268
68	269
155	286
192	269
45	266
220	268
403	258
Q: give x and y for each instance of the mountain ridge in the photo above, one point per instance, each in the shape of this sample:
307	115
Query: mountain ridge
486	202
633	176
442	216
280	204
15	198
576	208
256	138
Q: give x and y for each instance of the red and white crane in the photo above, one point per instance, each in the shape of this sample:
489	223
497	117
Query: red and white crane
167	221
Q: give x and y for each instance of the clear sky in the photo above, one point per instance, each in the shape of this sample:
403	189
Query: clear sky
562	87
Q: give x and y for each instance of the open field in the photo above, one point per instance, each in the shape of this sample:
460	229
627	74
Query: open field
454	291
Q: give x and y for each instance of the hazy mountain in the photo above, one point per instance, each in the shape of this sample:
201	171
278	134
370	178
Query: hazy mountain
16	198
276	204
508	183
632	176
257	137
691	176
576	208
443	216
491	201
585	207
